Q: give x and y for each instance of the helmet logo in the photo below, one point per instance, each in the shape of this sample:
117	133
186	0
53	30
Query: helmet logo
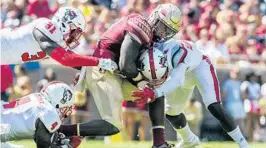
163	61
67	96
69	15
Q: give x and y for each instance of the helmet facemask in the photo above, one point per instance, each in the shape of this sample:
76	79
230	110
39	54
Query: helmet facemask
72	37
64	112
161	30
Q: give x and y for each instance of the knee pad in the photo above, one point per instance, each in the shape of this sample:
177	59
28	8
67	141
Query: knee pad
226	120
178	121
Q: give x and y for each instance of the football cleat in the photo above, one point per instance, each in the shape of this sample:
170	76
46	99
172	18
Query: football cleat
165	145
192	143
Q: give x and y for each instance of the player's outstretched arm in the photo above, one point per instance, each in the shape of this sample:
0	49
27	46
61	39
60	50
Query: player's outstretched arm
90	128
68	58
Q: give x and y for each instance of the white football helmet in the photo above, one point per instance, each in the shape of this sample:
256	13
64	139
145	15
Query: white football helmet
166	20
153	66
61	96
72	23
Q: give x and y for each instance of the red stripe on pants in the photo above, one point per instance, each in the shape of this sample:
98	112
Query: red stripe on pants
214	78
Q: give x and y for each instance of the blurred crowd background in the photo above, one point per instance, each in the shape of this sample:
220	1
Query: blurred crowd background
231	32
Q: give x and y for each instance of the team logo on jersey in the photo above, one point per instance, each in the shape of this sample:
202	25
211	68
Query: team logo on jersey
69	15
67	96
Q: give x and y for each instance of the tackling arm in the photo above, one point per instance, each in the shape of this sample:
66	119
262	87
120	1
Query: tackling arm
62	56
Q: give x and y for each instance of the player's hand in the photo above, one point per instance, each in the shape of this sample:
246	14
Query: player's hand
107	64
146	95
75	141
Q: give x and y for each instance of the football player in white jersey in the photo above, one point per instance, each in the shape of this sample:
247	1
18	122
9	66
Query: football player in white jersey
38	116
174	69
54	38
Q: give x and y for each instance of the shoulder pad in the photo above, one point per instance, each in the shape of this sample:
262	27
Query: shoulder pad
50	118
139	26
50	29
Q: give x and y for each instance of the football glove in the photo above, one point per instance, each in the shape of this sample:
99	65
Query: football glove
146	95
108	65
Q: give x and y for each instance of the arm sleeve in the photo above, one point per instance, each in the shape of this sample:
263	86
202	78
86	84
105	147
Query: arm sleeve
66	58
128	56
177	78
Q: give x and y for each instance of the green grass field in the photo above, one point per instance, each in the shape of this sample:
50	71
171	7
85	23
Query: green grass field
100	144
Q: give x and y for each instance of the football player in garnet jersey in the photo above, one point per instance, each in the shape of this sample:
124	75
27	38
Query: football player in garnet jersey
55	38
123	42
174	69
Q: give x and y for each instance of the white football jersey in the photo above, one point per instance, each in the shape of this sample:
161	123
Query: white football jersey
19	45
18	118
181	51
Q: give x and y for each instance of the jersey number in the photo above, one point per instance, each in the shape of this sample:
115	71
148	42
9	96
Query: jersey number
50	26
26	57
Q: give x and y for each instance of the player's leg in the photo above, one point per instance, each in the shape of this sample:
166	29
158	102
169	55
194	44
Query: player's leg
107	93
175	103
156	113
208	85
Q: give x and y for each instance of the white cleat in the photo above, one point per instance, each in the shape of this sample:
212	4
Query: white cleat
9	145
192	143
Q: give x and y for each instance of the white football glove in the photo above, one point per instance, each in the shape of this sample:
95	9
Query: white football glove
107	64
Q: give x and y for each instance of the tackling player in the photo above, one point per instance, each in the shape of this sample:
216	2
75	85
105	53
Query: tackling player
122	42
174	72
38	116
55	38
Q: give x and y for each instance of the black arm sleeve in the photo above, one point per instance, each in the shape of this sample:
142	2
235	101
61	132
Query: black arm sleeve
43	138
128	55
